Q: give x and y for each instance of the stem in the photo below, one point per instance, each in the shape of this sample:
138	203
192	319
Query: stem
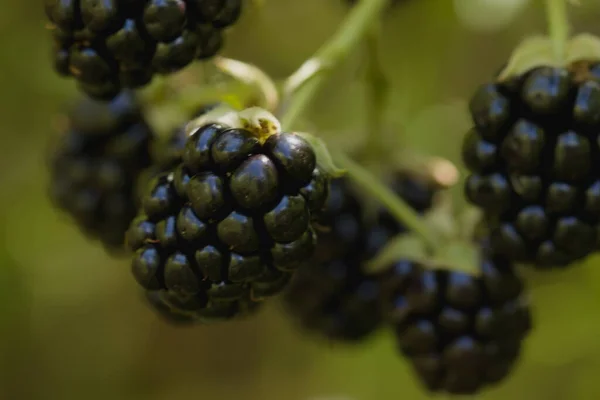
353	30
361	19
376	96
395	205
558	26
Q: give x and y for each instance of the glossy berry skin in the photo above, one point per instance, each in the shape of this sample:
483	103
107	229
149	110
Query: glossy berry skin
110	45
333	297
460	333
167	313
531	154
96	163
228	222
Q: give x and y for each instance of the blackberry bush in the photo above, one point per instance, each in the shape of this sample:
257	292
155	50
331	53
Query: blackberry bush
459	332
232	220
531	153
333	296
110	45
96	163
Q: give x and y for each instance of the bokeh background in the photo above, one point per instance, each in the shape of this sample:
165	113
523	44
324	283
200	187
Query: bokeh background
72	323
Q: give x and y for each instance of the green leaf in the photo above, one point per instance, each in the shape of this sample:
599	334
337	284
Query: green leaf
407	246
324	158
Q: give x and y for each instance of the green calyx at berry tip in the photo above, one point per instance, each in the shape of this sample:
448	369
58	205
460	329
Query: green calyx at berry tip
260	122
538	51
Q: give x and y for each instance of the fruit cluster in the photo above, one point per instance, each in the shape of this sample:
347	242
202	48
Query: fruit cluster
229	222
334	296
96	164
532	153
110	45
459	332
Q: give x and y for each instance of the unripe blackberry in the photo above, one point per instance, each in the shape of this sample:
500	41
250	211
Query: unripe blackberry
333	297
231	221
110	45
95	166
459	332
531	155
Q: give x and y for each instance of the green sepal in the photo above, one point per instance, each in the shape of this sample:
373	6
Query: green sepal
459	256
537	51
324	158
406	246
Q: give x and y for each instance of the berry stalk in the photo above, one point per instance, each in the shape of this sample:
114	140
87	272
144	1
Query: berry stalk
395	205
333	52
558	26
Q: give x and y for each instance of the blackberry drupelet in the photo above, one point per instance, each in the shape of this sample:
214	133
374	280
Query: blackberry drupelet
230	223
110	45
531	155
95	166
169	314
459	332
191	310
333	297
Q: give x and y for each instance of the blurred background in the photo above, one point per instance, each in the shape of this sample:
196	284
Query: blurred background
72	323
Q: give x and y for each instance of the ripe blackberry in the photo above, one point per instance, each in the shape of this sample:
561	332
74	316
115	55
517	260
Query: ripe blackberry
95	166
232	220
459	332
110	45
198	309
531	154
165	311
333	296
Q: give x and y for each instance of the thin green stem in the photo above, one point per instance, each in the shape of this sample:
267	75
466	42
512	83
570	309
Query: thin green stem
362	17
314	73
558	26
395	205
377	90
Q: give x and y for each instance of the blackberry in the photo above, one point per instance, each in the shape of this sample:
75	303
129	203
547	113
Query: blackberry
110	45
198	309
95	166
333	296
459	332
231	221
531	154
165	311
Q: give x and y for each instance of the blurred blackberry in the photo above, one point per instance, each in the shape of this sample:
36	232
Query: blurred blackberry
532	153
230	222
459	332
96	163
110	45
332	296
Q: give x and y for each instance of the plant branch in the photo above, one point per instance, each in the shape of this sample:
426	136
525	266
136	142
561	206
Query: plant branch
306	82
395	205
558	26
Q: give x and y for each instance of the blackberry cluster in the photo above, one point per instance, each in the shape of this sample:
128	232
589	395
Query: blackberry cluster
532	153
459	332
230	223
95	166
115	44
333	296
